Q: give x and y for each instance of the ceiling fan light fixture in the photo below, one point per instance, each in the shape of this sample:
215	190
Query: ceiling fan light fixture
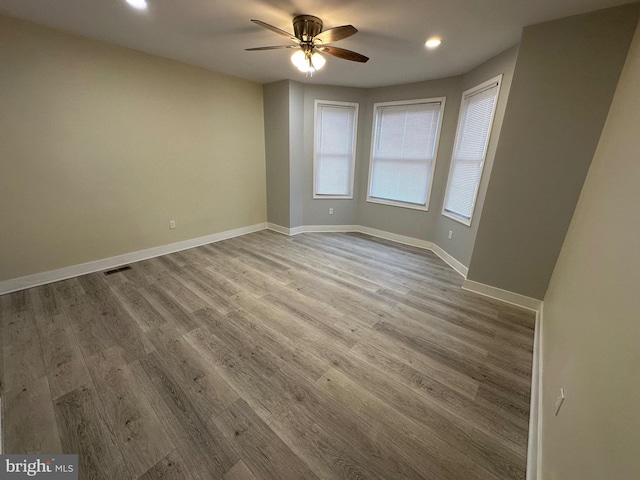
308	62
433	42
138	4
299	59
318	61
310	38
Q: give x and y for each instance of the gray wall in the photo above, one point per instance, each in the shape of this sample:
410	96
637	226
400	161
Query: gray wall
276	132
460	246
289	117
565	77
296	152
316	211
404	221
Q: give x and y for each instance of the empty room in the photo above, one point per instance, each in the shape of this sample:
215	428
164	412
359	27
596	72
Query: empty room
343	240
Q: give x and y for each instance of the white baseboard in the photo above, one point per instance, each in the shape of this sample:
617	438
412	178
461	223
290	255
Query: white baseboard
12	285
374	232
535	421
453	263
535	425
476	287
279	228
327	229
15	284
352	229
534	449
313	228
416	242
394	237
502	295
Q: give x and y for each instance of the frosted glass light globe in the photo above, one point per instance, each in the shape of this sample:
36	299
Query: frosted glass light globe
138	4
299	59
318	61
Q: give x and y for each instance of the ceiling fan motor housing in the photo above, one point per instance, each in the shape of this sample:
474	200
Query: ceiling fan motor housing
305	27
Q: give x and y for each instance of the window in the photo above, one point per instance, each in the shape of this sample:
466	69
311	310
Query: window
472	138
334	149
403	152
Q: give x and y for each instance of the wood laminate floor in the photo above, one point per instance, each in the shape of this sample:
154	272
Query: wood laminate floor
319	356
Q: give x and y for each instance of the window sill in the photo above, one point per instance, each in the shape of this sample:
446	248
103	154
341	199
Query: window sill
423	208
461	220
332	197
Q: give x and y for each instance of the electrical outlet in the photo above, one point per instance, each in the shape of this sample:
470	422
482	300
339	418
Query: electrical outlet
559	401
331	211
172	224
450	234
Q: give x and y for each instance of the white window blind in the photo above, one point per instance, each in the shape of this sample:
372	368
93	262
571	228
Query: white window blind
472	137
403	152
334	155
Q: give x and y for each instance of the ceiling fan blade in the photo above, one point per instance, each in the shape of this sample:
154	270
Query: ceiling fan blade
275	47
276	30
335	34
343	53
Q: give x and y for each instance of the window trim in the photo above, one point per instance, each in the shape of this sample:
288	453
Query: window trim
317	196
468	92
425	207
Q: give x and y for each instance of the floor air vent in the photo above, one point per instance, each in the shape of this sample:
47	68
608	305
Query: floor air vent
117	270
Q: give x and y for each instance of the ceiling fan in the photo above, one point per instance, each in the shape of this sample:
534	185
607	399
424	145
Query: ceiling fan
309	40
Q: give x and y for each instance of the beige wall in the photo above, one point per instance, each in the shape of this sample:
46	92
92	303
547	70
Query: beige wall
101	146
591	330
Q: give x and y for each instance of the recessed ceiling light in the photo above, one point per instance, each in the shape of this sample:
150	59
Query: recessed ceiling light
433	42
139	4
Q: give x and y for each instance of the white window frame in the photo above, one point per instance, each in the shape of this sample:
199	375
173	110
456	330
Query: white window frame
356	106
471	91
425	207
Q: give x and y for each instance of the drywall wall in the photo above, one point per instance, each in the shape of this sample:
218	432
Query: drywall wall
316	211
284	137
276	132
563	83
305	210
101	146
296	152
405	221
460	246
591	330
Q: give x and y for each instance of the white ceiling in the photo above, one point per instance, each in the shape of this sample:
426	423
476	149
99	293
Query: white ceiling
214	33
